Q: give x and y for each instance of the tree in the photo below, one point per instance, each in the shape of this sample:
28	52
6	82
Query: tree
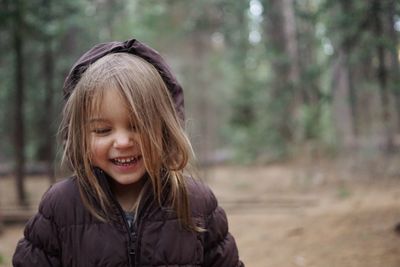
282	52
19	83
394	72
376	11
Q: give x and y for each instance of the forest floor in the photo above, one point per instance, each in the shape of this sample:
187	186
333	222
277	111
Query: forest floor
315	214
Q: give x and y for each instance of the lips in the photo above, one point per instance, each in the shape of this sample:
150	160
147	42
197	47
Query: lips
126	161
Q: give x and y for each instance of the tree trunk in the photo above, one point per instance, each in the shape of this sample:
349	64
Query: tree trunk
347	7
280	29
382	75
19	140
394	56
48	66
341	108
291	42
48	74
202	105
308	87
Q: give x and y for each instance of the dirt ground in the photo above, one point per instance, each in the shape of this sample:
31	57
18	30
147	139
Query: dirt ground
283	215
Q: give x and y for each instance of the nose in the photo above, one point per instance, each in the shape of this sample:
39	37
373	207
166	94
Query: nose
123	140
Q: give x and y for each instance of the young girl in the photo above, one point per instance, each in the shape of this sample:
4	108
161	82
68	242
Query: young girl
128	203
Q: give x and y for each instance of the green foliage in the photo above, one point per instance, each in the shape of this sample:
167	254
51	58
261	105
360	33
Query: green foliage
258	111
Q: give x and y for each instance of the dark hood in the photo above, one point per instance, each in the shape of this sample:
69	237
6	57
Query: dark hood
134	47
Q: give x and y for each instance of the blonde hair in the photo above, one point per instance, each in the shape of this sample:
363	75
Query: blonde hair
165	147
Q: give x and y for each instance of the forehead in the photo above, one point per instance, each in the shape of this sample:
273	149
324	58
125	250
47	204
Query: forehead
109	103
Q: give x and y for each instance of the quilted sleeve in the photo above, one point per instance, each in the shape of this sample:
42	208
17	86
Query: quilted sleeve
220	246
40	244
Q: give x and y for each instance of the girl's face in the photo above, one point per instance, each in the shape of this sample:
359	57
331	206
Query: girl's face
114	141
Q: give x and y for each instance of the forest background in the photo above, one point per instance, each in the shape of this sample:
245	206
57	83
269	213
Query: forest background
265	81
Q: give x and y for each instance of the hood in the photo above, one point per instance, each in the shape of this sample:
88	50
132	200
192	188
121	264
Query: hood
137	48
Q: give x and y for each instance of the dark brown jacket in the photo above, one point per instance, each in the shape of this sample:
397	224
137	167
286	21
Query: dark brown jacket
64	233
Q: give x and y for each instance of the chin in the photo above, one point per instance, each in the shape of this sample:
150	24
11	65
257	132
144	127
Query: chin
127	179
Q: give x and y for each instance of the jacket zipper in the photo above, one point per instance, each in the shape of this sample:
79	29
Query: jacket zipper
132	243
131	235
132	246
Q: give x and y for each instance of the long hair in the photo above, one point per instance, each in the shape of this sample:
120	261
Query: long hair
165	147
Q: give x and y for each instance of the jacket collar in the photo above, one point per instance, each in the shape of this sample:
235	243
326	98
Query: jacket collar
104	181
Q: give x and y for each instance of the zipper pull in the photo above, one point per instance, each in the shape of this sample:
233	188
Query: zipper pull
132	254
132	250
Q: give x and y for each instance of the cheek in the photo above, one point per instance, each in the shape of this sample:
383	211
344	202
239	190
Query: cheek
98	149
137	141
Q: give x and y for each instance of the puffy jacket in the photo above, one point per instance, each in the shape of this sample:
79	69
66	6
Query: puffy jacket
64	233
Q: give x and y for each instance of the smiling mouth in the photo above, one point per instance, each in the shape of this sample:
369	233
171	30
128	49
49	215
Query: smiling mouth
126	161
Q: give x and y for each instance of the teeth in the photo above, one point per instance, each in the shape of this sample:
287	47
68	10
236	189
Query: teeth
125	160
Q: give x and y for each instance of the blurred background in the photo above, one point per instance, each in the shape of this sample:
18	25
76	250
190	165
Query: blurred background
292	106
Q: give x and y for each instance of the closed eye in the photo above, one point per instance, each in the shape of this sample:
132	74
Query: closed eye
101	130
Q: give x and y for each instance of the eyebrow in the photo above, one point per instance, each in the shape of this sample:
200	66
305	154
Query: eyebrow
97	120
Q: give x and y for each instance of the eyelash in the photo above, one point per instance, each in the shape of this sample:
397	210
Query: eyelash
106	130
101	130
